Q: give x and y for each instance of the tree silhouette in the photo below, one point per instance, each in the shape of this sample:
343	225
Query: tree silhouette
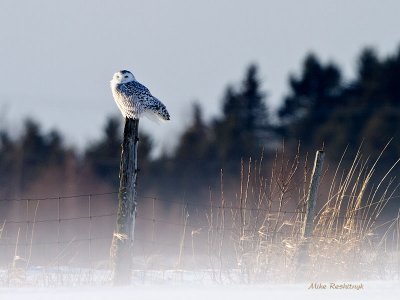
241	130
194	158
103	156
313	97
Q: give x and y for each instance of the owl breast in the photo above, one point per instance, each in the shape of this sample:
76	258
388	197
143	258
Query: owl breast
126	102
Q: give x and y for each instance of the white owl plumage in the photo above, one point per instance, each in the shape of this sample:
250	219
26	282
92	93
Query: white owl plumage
134	99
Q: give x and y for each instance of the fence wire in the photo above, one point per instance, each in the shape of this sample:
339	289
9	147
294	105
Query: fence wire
81	233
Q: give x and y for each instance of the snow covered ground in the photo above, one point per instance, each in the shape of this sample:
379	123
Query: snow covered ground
371	290
71	284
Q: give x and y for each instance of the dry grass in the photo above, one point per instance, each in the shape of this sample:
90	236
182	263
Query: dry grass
263	224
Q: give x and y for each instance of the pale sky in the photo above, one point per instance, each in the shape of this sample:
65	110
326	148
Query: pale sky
57	57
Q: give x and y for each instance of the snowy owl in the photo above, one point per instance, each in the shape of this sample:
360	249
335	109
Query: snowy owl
134	99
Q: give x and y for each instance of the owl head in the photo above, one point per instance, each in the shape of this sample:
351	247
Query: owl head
123	76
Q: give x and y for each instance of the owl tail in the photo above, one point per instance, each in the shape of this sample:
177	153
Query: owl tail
154	117
155	109
162	113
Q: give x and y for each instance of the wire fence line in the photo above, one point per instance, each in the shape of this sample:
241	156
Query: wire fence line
58	220
89	196
65	242
56	197
21	237
39	230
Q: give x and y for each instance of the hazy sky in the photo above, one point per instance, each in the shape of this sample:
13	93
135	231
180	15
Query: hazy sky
57	57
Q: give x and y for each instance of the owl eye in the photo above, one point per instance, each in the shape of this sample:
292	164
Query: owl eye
126	76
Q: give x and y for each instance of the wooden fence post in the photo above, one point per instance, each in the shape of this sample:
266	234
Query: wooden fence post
123	237
308	226
312	194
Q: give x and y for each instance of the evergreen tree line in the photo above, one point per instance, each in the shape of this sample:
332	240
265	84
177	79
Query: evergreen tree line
321	109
